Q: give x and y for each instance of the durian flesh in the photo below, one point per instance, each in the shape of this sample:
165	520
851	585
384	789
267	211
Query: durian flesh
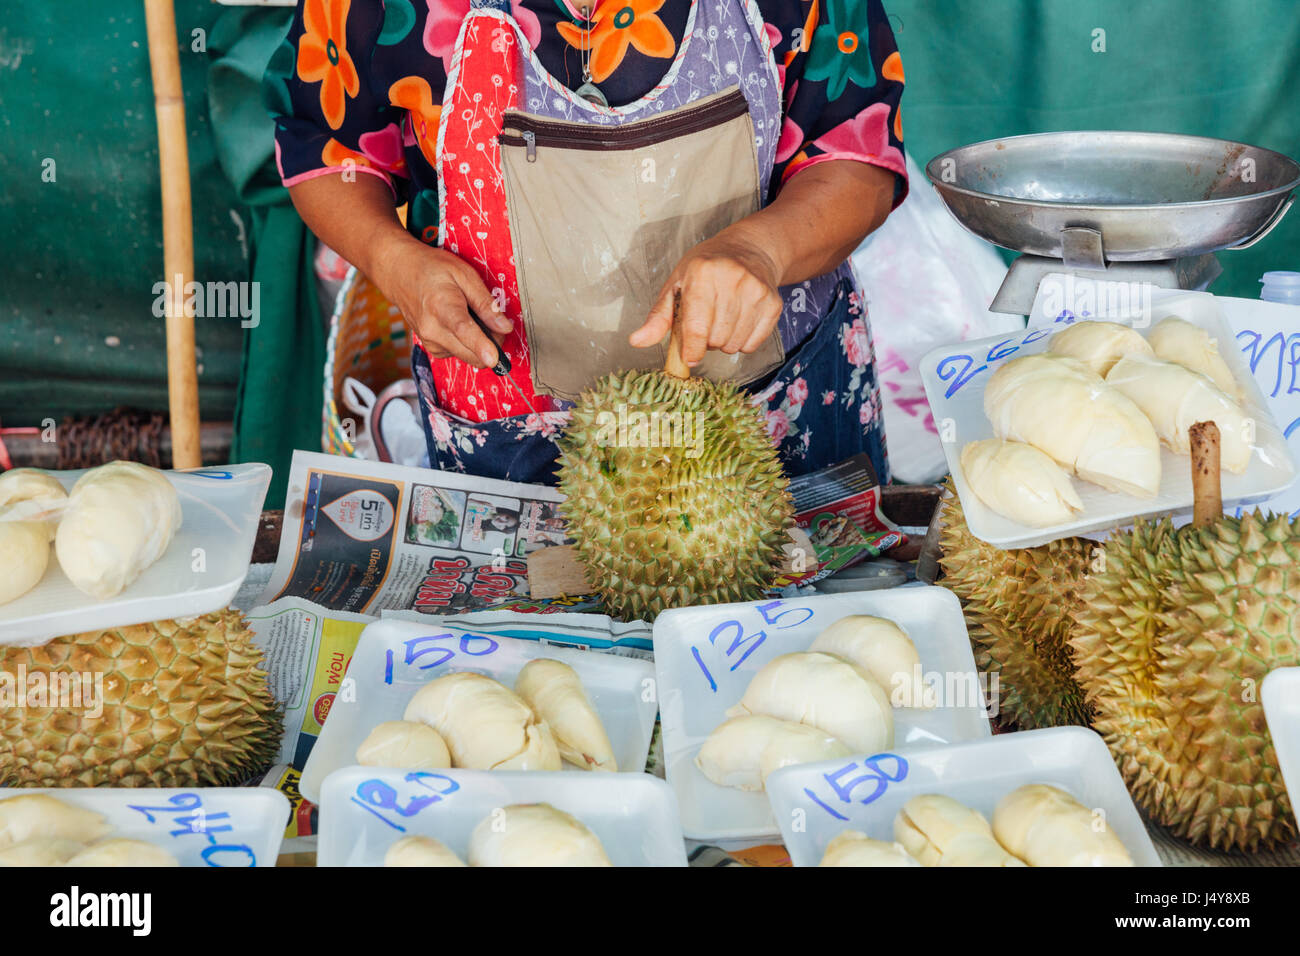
420	851
1179	341
939	831
743	751
121	851
30	502
1020	482
1098	345
404	743
1045	826
119	520
38	815
854	848
1175	398
485	724
674	494
1063	408
555	692
534	834
881	648
824	692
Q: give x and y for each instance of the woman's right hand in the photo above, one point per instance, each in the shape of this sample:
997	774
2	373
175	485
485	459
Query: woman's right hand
433	288
435	291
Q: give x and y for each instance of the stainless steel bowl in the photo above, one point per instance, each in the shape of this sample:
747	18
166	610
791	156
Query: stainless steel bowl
1150	196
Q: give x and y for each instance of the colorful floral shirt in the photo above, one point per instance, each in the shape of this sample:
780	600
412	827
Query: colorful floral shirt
363	81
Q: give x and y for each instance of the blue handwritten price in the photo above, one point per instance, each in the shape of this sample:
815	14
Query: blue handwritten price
1281	370
434	650
423	789
738	640
873	777
186	813
962	368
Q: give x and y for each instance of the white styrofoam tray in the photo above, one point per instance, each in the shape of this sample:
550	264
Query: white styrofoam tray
200	571
203	826
1280	694
815	802
706	656
955	377
394	659
364	810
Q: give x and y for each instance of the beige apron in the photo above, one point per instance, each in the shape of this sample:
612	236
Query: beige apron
600	216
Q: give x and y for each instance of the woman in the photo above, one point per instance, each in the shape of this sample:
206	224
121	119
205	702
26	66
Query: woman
570	167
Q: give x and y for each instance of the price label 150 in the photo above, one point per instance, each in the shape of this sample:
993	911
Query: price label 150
862	782
433	650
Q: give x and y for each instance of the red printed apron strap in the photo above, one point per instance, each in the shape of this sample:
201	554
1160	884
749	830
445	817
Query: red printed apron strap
485	81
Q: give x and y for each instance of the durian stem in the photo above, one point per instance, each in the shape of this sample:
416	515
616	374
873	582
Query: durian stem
1207	494
673	363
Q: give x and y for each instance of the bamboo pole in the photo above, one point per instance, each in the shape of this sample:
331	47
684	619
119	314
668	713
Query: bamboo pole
178	231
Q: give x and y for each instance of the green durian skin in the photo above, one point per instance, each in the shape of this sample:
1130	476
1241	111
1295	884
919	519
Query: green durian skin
1017	605
672	515
1175	633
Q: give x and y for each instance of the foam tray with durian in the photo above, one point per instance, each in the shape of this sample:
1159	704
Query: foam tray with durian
1036	798
428	698
121	544
747	689
141	827
1068	429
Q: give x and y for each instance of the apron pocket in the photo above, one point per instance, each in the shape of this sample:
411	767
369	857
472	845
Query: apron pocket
599	217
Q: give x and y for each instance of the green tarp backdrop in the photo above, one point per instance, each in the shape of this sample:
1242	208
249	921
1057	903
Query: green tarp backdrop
80	225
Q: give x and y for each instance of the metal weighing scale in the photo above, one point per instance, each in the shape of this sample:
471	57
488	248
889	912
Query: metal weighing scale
1131	207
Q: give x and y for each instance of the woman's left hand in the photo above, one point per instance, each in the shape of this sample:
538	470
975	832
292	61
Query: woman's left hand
729	297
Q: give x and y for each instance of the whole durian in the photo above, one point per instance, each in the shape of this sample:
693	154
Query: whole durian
674	493
1172	638
1017	605
185	703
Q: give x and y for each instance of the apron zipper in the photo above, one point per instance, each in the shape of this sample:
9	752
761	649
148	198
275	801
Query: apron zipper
522	129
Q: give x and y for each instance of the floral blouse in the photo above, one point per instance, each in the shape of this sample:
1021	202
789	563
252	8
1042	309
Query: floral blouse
365	79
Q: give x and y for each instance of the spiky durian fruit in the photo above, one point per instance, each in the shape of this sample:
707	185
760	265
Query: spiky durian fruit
675	495
1017	605
184	703
1173	636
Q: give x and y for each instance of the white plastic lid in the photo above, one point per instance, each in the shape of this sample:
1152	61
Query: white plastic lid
1281	278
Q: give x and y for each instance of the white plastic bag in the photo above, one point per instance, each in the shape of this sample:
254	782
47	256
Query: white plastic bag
928	282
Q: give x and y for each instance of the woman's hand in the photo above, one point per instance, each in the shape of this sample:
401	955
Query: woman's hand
729	283
729	297
435	291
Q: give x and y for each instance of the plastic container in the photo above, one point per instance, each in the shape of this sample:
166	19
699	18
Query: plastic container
394	659
1280	695
204	826
811	810
706	656
200	571
955	377
1281	287
364	810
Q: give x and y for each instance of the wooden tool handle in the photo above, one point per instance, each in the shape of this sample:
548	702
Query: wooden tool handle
1207	495
674	365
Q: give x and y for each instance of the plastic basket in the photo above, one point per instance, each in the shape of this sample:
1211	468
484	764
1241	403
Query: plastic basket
368	341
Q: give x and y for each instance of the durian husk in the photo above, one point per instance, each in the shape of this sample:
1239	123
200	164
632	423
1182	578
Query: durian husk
656	527
186	703
1173	637
1018	605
